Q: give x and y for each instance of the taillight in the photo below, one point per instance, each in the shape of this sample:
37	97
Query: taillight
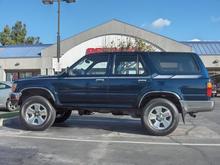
209	89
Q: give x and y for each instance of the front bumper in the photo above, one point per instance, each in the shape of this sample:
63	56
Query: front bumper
14	98
197	106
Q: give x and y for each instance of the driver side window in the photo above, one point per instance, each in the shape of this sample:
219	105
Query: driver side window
93	65
98	69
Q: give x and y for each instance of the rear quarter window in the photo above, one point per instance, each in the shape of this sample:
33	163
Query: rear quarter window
175	63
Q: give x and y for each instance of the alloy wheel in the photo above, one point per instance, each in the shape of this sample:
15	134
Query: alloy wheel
160	118
36	114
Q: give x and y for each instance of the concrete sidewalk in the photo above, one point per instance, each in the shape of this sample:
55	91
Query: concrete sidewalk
7	115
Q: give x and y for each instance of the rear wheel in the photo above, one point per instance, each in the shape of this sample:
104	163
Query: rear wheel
62	116
160	117
37	113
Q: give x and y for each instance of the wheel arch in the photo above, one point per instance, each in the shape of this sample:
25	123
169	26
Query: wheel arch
171	96
37	91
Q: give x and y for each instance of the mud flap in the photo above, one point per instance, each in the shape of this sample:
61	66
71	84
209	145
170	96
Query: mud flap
183	114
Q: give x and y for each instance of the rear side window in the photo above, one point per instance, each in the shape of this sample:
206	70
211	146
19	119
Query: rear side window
129	65
174	63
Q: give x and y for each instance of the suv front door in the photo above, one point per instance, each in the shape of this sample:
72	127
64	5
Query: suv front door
86	84
128	78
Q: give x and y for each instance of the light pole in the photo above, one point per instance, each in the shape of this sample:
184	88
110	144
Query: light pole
50	2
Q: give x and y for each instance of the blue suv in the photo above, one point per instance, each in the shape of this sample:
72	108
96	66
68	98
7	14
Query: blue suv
157	87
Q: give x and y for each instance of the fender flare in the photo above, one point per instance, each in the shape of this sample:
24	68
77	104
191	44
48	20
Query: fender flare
41	88
157	92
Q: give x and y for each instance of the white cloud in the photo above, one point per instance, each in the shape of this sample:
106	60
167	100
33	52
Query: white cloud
215	19
160	23
195	39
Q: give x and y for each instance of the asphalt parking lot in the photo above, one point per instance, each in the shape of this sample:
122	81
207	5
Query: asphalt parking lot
110	140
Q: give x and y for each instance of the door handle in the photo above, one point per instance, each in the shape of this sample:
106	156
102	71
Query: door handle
142	80
100	80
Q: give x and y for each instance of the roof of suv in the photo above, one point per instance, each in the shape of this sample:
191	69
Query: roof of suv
140	52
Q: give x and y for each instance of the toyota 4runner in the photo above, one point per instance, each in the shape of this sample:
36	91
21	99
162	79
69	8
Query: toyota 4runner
157	87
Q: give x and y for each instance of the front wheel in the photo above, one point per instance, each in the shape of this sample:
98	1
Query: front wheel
160	117
37	113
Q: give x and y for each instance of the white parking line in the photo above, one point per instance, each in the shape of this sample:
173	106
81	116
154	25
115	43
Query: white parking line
114	141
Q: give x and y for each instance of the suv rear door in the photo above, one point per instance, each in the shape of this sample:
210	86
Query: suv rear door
128	78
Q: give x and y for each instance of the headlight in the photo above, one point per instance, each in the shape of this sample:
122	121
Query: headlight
13	87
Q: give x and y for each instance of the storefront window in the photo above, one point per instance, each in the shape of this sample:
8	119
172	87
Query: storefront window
15	75
9	76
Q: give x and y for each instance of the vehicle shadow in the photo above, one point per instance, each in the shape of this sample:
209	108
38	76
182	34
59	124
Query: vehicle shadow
111	124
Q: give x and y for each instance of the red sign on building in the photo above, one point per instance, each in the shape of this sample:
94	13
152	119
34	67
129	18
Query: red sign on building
100	50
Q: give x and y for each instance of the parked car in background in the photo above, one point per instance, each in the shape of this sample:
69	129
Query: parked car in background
217	89
5	90
214	91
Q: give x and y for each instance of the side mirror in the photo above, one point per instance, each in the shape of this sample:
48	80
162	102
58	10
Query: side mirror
87	61
67	70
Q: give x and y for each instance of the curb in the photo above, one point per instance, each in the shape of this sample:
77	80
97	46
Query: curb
7	116
1	122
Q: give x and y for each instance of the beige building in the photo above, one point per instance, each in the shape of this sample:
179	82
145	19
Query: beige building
26	61
209	52
20	61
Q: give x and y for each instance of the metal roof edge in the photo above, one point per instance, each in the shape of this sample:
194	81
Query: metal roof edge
28	45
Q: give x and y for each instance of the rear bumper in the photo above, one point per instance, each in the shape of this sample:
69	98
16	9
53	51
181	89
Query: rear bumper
197	106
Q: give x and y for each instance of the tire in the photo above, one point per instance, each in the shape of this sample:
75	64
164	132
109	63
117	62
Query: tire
160	117
10	107
37	113
62	116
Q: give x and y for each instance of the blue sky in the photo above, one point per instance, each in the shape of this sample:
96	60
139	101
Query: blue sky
177	19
